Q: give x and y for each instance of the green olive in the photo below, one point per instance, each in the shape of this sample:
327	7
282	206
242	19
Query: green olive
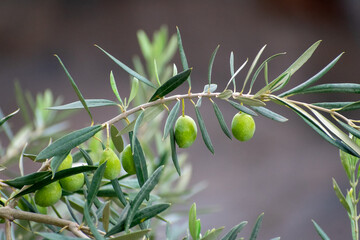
243	127
66	163
185	131
48	195
113	165
73	182
42	210
127	160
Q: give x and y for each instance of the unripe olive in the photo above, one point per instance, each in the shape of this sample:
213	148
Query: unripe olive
127	160
243	127
113	165
66	163
185	131
73	182
42	210
48	195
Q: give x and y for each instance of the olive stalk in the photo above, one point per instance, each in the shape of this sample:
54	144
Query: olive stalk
264	97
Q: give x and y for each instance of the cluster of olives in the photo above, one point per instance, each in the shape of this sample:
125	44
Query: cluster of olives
242	127
51	193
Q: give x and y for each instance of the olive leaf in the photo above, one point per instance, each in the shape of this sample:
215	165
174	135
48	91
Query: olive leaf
256	228
89	102
4	119
203	131
127	69
171	85
221	120
77	91
232	234
171	119
183	59
321	232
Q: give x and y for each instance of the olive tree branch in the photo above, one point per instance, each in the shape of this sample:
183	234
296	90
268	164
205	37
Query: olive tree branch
11	214
164	100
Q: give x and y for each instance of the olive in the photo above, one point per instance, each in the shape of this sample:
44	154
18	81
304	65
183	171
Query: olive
185	131
243	127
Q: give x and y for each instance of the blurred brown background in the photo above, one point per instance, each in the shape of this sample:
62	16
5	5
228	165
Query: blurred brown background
285	170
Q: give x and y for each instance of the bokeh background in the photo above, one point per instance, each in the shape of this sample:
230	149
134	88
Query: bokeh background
285	170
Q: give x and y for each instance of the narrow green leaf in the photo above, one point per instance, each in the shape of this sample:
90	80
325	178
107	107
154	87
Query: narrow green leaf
211	63
128	70
56	236
351	106
118	191
142	194
340	195
142	215
302	59
242	108
4	119
261	67
337	105
256	59
95	184
312	80
250	101
256	228
29	179
234	75
350	129
171	119
21	102
136	235
232	234
213	234
150	114
76	89
145	44
114	88
106	216
332	88
139	161
321	232
90	103
337	132
225	94
337	143
170	85
30	156
221	120
116	139
269	114
49	179
70	209
203	131
193	222
56	162
86	156
68	142
136	128
317	126
232	68
91	225
183	59
134	89
173	152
